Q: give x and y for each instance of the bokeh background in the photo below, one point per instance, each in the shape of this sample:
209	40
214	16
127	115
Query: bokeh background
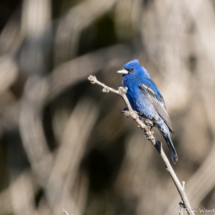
64	144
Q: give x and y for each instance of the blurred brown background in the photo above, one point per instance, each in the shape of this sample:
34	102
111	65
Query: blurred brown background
64	144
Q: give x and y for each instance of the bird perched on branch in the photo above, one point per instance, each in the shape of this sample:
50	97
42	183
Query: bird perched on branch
146	99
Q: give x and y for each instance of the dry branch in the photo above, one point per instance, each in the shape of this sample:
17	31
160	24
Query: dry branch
122	92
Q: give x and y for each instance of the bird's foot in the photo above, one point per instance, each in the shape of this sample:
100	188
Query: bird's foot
149	123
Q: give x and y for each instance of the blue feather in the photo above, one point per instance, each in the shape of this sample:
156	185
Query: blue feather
146	99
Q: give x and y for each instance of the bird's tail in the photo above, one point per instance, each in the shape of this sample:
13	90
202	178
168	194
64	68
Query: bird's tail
162	127
173	152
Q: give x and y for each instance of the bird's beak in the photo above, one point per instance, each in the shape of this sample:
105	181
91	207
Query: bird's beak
123	71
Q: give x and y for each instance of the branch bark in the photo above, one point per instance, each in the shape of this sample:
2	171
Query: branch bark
149	134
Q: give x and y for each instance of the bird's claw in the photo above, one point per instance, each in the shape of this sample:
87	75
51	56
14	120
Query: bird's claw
149	123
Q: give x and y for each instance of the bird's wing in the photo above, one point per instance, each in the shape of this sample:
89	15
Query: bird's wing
151	91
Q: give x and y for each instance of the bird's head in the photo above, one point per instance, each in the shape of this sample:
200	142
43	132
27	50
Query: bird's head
132	70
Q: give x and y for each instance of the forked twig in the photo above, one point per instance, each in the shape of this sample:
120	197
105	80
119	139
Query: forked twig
157	144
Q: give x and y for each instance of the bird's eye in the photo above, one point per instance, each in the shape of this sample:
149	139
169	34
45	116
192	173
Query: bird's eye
132	69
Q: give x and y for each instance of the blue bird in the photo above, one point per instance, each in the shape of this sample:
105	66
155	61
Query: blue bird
146	99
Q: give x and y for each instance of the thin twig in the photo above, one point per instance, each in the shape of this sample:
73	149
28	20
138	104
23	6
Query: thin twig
157	144
65	212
